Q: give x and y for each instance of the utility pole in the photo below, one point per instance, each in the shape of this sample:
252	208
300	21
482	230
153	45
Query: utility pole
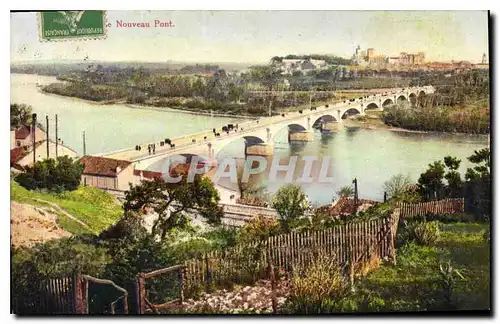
84	146
355	181
33	129
47	132
57	138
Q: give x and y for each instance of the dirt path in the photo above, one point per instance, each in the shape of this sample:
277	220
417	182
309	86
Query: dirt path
62	211
30	225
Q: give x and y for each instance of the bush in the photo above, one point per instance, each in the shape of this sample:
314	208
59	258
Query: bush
451	218
259	228
320	289
54	175
424	233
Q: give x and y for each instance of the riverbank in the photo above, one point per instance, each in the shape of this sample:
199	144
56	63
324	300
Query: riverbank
92	102
375	122
187	111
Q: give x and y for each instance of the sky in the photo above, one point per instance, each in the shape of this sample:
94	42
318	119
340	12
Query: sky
256	36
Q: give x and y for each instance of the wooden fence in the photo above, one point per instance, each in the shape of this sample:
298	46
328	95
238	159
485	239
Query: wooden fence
445	206
144	304
51	296
353	243
67	295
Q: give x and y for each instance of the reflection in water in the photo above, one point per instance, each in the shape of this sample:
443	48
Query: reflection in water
371	156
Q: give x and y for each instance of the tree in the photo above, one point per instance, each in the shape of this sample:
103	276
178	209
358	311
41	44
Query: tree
397	185
431	181
345	191
478	185
290	203
453	176
482	170
171	201
55	175
20	115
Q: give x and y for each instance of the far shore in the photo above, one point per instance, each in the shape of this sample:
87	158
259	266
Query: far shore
147	107
351	122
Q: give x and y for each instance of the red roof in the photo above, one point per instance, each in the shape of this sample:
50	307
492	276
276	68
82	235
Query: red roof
17	154
23	132
98	165
148	174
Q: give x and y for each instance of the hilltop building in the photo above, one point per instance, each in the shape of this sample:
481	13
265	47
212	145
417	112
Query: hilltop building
288	66
484	65
369	57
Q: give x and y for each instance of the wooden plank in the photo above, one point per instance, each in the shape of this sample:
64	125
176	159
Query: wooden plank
162	271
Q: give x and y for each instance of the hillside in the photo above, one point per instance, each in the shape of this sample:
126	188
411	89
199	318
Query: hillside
85	210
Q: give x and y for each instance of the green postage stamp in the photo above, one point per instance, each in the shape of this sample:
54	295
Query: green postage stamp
70	25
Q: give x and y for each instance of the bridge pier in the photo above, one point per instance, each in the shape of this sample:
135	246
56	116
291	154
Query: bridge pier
261	149
304	136
329	126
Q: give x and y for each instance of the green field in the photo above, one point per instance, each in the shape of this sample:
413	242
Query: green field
413	284
92	206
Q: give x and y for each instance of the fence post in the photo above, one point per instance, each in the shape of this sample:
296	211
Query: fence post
140	290
391	237
272	278
125	304
209	274
80	295
181	285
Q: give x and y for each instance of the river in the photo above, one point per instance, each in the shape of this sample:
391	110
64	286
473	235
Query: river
371	156
107	127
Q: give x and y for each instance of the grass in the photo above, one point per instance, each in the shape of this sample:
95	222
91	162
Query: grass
412	284
92	206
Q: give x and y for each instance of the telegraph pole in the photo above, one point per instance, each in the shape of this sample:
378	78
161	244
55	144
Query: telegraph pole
47	132
57	138
33	129
355	181
84	146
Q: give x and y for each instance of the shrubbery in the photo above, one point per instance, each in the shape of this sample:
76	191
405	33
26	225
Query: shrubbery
424	233
319	288
55	175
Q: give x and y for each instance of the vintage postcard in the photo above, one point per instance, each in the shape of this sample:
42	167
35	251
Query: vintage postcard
250	162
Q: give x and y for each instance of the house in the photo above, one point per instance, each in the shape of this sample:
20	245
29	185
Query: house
106	173
111	174
22	156
23	136
146	175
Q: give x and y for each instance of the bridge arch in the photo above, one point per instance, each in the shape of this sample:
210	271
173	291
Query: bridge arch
328	118
372	106
413	98
350	112
401	99
387	102
251	140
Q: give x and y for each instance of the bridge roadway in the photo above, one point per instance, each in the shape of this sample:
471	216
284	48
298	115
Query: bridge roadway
263	130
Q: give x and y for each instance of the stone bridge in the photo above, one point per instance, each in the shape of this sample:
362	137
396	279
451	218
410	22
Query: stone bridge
259	135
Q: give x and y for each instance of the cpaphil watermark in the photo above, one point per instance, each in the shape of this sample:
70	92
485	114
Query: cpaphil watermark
252	165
